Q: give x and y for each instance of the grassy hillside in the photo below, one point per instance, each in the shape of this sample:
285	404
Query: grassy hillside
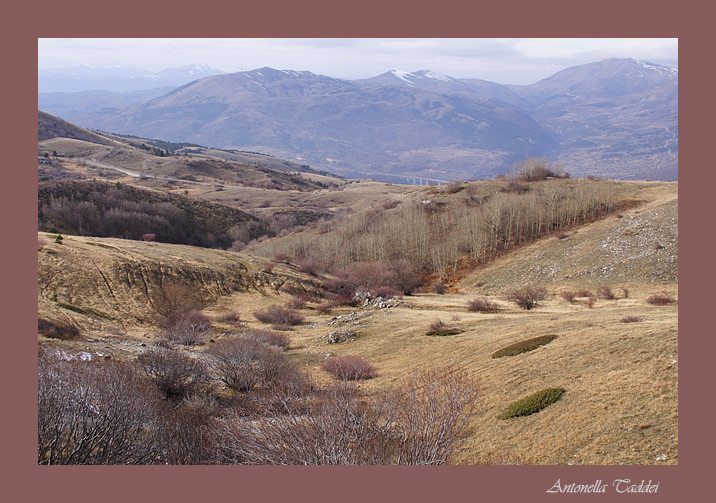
94	154
49	126
615	356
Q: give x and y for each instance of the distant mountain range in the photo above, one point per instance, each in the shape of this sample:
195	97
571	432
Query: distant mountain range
118	78
616	118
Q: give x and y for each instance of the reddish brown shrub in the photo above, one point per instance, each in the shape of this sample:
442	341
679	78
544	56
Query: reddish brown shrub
93	413
453	187
239	362
324	308
482	305
349	368
60	331
440	328
419	422
528	297
299	301
278	315
569	296
312	266
515	186
267	337
183	431
282	257
439	287
268	266
175	374
187	328
661	299
174	298
604	292
232	318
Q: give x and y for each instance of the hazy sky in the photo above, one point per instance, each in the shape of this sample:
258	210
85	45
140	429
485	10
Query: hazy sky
507	61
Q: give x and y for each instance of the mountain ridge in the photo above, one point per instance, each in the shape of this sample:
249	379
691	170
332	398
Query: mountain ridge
615	118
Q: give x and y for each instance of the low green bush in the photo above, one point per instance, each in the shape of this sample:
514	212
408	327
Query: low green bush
532	404
524	346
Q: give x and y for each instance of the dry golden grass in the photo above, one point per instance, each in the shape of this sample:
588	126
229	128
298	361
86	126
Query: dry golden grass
620	404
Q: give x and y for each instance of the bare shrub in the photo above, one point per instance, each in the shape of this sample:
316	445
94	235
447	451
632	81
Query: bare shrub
406	276
533	169
589	302
93	413
625	292
60	331
279	316
482	305
268	266
243	363
439	287
282	257
231	318
267	337
528	297
148	236
453	187
187	328
440	328
237	362
337	429
584	293
661	299
569	296
349	368
183	432
299	301
325	308
41	243
419	422
175	374
604	292
515	186
312	267
172	300
630	319
428	413
561	235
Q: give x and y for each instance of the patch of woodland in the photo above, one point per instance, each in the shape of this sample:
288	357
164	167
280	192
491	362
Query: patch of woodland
91	208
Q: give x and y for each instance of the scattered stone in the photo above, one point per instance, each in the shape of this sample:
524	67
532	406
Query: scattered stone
341	335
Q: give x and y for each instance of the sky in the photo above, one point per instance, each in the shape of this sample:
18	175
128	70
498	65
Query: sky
506	61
